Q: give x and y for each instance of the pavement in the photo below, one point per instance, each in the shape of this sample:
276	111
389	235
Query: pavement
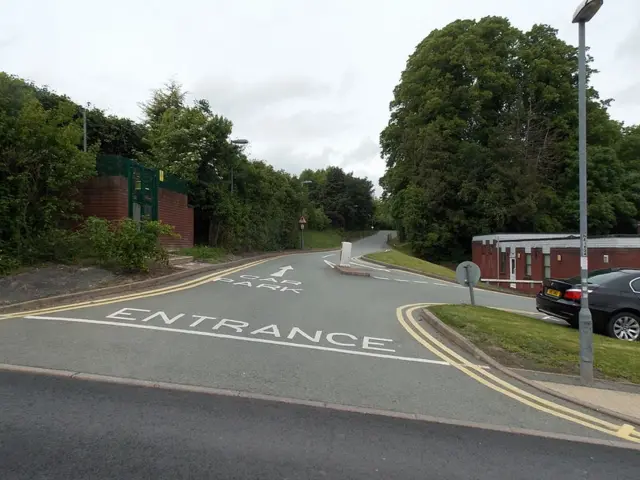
294	327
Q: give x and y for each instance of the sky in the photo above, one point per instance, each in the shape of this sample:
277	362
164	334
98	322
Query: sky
307	82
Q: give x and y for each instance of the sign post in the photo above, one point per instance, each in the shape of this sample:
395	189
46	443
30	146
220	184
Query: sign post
302	222
468	275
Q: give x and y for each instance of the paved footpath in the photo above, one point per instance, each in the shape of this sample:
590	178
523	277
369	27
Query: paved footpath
294	327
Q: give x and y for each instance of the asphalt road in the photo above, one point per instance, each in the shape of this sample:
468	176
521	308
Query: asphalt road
70	429
292	327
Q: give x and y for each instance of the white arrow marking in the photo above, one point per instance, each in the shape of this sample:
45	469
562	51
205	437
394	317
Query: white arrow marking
282	271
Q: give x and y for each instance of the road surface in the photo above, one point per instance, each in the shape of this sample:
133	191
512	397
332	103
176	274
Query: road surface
294	327
104	431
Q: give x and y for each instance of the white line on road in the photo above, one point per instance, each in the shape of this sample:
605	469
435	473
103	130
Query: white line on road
418	281
401	280
332	265
237	337
330	255
448	285
381	278
282	271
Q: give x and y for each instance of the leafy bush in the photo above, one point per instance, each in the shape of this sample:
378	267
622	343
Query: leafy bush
126	244
8	263
317	220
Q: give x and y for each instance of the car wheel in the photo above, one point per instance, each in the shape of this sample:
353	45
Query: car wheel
624	326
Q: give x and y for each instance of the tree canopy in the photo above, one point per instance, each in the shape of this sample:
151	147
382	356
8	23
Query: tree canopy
482	138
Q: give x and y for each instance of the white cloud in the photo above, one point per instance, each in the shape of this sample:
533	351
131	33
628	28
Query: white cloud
308	82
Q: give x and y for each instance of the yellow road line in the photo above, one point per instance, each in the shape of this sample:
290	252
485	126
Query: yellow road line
625	431
499	385
135	296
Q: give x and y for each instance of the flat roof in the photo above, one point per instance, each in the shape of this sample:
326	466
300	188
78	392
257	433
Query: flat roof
559	240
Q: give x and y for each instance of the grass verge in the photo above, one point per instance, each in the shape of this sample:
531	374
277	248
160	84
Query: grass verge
332	238
524	342
401	259
312	239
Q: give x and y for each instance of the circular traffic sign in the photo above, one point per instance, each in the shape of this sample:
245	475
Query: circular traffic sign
468	270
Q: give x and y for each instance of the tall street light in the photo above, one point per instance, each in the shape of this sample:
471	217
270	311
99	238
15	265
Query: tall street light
237	141
585	12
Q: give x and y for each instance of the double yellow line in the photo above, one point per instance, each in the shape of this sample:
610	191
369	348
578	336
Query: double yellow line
405	317
135	296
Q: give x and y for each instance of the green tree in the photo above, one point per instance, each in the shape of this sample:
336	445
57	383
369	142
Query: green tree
483	138
41	167
239	204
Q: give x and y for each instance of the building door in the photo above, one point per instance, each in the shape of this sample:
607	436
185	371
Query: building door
143	192
512	267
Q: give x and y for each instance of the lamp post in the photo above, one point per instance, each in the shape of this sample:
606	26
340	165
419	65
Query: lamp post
585	12
84	127
237	141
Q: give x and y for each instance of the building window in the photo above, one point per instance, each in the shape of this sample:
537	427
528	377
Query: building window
527	270
503	262
547	265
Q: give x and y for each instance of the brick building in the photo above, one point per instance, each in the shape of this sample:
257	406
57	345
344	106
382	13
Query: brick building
522	261
124	188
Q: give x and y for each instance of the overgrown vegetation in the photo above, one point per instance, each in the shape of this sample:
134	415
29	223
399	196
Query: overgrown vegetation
520	341
124	245
240	204
41	167
483	138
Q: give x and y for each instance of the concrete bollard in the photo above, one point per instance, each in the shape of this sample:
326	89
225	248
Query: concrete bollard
345	254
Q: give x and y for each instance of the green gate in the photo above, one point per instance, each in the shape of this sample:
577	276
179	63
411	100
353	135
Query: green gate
143	192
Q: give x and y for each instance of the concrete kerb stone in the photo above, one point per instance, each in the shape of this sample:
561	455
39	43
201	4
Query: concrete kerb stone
456	338
443	278
352	271
142	285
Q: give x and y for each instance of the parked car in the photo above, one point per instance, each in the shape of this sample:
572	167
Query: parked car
614	301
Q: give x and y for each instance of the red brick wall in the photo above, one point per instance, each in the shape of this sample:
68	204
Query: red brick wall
174	210
105	197
569	263
567	266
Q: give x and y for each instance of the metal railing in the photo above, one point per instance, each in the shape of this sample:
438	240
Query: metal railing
502	280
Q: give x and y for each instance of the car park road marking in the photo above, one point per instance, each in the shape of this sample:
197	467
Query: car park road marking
209	326
271	284
405	318
149	293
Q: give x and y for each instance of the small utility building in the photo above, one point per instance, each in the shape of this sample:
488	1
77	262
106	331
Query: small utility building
521	261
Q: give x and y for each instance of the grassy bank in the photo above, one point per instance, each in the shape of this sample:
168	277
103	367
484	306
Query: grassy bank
518	341
402	259
312	239
333	238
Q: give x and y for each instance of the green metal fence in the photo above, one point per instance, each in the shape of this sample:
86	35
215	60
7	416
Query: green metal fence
143	183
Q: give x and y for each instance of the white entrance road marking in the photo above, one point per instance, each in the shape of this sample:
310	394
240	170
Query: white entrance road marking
368	342
282	271
332	265
327	256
